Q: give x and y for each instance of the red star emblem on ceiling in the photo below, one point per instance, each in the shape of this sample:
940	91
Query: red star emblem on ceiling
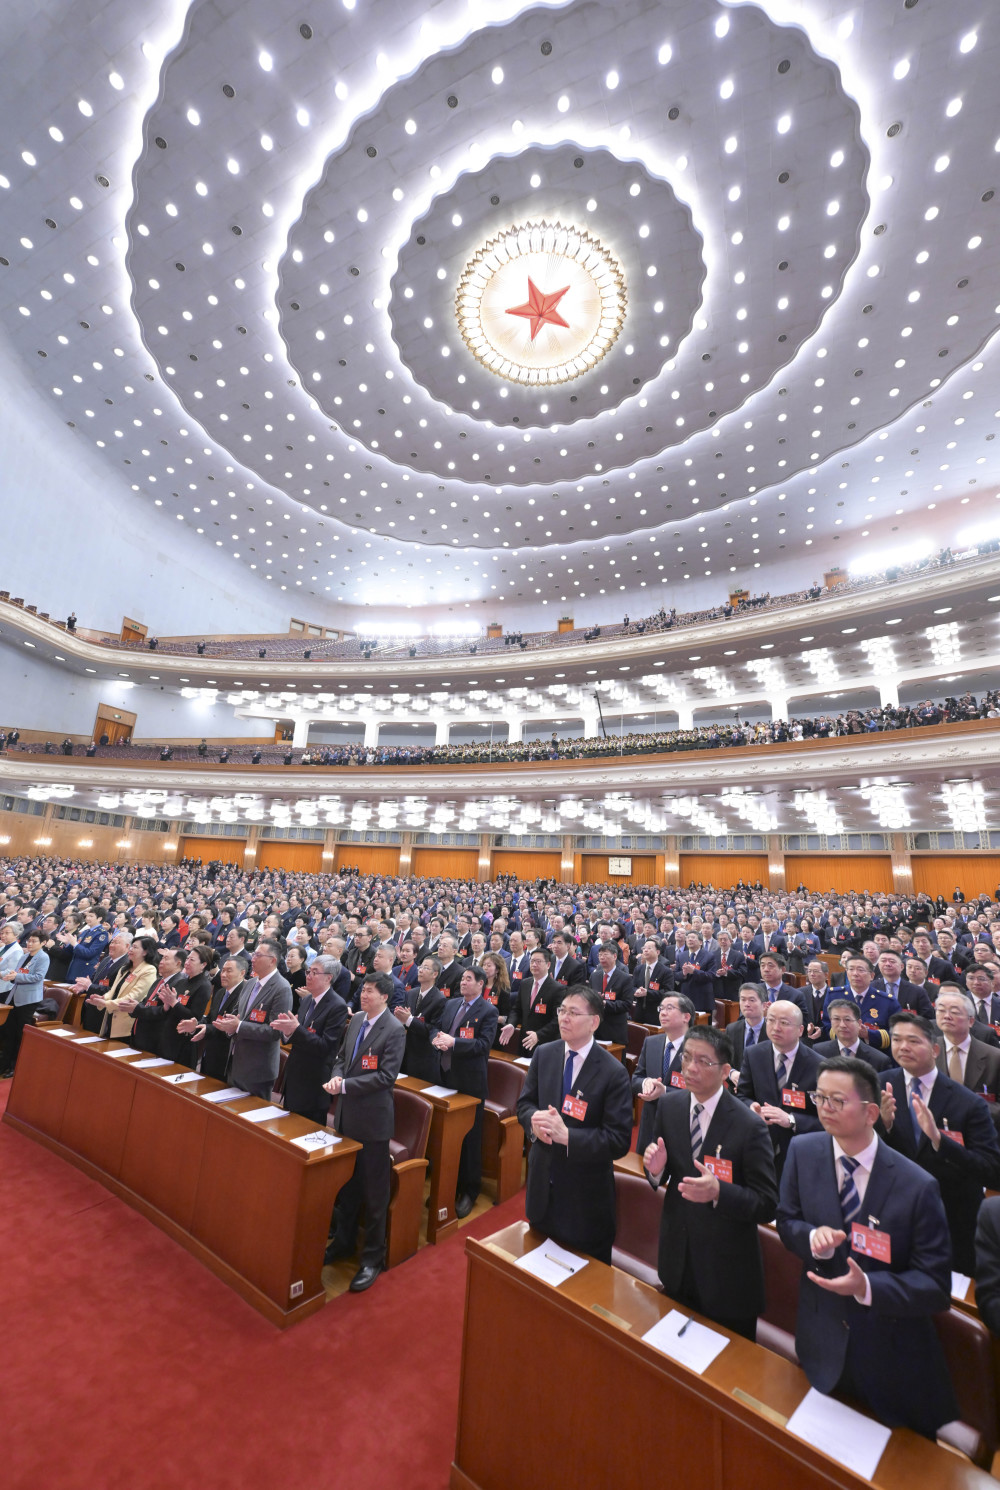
540	308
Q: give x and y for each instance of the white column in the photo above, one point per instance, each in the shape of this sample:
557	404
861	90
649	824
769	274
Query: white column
515	727
888	692
300	731
685	714
779	707
371	730
442	729
591	725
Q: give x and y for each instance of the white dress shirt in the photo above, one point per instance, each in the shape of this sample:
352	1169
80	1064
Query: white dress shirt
862	1174
579	1056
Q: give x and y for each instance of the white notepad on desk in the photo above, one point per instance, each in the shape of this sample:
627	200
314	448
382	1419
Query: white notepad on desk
182	1078
226	1094
439	1091
846	1436
552	1263
696	1348
264	1114
155	1060
91	1040
315	1142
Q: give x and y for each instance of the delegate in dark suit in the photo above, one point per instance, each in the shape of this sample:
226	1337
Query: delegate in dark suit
709	1255
538	1014
651	981
427	1010
698	986
464	1067
571	1188
105	973
215	1045
618	992
759	1083
987	1273
737	1032
314	1047
877	1059
650	1063
961	1169
889	1348
368	1068
193	997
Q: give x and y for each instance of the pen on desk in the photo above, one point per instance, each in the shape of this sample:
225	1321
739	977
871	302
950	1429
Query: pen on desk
559	1262
683	1328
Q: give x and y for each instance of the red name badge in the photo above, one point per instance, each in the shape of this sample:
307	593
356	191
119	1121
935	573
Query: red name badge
871	1243
610	995
360	970
791	1098
955	1137
185	997
988	1096
541	1008
257	1016
491	998
654	987
676	1079
466	1032
562	983
721	1168
369	1063
574	1108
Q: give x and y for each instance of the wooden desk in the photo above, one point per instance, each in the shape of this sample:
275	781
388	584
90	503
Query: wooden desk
724	1429
240	1196
5	1013
512	1051
452	1118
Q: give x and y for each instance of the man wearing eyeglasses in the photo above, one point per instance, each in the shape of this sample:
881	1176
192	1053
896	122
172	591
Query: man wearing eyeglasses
714	1156
576	1108
942	1126
870	1226
776	1075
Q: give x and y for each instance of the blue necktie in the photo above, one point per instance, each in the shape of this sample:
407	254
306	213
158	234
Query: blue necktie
916	1090
362	1032
750	1038
668	1060
782	1072
850	1200
568	1074
696	1138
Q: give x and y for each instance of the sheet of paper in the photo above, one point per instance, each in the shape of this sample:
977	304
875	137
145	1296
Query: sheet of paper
154	1060
959	1285
314	1142
696	1348
122	1050
605	1043
552	1263
65	1034
227	1094
522	1060
439	1091
90	1040
846	1436
264	1114
182	1079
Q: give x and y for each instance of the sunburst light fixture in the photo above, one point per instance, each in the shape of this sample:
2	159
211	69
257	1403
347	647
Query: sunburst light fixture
541	303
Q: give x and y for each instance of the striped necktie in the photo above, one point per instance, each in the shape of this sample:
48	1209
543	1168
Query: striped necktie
696	1137
850	1200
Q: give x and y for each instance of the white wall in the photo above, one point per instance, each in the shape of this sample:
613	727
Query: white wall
40	695
75	538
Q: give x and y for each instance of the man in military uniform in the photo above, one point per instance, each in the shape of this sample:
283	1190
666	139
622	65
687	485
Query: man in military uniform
875	1005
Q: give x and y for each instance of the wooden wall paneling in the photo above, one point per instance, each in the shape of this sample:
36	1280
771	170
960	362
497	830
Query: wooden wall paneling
723	870
70	840
369	858
446	863
938	874
528	864
296	858
594	869
229	850
822	872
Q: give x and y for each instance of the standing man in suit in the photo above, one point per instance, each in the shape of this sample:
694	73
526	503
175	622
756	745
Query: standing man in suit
653	977
816	994
659	1064
104	976
872	1230
714	1156
987	1273
150	1013
215	1044
25	995
747	1031
614	983
908	995
567	970
772	975
776	1077
576	1108
533	1008
463	1043
732	966
450	976
316	1033
518	963
769	939
421	1017
255	1044
845	1027
364	1073
694	973
921	1109
962	1056
979	984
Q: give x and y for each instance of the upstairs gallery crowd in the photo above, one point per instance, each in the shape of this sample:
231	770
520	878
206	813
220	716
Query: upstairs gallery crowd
858	1084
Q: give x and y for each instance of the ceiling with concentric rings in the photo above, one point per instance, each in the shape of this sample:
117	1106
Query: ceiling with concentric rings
232	238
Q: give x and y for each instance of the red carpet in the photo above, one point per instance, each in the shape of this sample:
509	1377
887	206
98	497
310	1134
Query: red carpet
126	1364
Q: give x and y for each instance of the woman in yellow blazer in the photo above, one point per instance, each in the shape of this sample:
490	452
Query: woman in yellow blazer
134	982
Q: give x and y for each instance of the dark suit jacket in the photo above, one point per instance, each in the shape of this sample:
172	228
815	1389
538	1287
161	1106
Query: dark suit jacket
779	943
661	981
759	1083
571	1190
699	987
793	995
365	1110
961	1170
737	1032
877	1059
194	996
619	1003
650	1063
573	971
987	1273
717	1243
215	1046
474	1036
151	1016
450	979
525	1018
737	972
891	1345
911	996
314	1046
420	1059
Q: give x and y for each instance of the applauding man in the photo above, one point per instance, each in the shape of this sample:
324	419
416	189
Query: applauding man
714	1156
